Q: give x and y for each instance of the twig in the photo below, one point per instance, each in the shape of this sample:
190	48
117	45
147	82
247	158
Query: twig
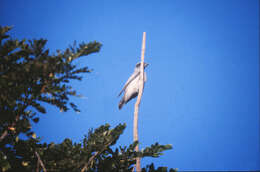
5	133
38	166
89	161
39	160
94	156
140	93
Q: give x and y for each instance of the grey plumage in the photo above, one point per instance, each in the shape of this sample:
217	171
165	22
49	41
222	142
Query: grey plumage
131	87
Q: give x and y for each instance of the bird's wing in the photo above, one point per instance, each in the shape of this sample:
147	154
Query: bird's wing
132	77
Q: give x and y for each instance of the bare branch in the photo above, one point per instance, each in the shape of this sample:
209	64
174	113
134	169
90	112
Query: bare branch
140	93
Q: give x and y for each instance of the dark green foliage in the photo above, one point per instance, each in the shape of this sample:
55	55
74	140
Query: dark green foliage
31	77
94	151
151	168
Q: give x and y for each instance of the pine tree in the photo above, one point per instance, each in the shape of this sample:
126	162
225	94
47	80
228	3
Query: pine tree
30	76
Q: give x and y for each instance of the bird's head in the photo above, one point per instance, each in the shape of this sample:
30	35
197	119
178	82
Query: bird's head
139	64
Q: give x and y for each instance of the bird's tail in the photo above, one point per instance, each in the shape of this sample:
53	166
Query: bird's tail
121	103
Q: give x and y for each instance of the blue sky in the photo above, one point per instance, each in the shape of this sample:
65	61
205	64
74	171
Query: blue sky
202	92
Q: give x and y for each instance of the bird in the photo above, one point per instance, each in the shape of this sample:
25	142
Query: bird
131	87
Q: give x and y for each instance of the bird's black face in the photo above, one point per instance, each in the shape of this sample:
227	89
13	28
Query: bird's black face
145	64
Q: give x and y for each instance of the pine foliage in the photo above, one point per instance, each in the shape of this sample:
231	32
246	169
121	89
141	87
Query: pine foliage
31	77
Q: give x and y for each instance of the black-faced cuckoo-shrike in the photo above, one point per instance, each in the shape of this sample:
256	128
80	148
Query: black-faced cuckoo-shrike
131	87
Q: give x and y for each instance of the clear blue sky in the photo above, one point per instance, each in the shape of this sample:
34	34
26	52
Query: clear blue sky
202	93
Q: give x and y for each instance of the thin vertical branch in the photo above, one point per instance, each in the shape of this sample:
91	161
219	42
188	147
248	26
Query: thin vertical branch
140	93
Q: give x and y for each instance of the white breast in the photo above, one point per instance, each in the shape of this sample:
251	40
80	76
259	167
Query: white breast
133	87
